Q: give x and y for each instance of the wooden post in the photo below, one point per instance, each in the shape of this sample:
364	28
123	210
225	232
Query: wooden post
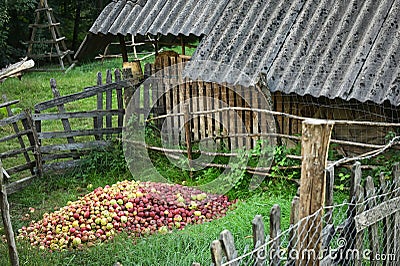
120	100
373	236
123	47
61	110
329	193
274	232
359	239
108	101
98	121
396	232
316	136
183	44
216	252
258	240
228	245
293	235
5	215
188	135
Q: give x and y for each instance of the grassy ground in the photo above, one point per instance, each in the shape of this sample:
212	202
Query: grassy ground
177	248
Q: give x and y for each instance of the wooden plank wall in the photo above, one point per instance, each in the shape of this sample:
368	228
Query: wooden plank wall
229	128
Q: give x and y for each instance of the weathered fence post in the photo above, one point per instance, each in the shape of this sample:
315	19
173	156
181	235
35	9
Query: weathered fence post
274	232
120	100
217	252
396	233
5	215
316	136
258	240
61	110
188	135
373	236
228	245
108	101
293	234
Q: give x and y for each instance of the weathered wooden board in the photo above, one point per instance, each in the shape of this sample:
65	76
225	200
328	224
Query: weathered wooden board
109	97
377	213
373	236
12	119
19	134
77	96
8	103
16	152
19	184
21	167
83	114
71	146
258	239
76	133
228	245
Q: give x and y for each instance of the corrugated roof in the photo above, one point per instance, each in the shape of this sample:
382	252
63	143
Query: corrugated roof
344	49
159	17
337	49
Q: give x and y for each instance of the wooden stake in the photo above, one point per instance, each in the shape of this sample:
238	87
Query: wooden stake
5	215
316	136
123	47
187	120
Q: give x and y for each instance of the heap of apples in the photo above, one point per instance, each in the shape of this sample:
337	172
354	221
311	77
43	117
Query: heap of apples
139	208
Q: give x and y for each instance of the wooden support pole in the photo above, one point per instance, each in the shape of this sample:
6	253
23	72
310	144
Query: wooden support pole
316	136
5	215
183	44
274	233
123	47
188	135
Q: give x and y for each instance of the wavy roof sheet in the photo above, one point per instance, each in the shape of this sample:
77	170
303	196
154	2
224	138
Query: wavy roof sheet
331	48
159	17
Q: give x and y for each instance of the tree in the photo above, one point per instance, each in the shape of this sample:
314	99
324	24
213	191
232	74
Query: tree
75	16
3	33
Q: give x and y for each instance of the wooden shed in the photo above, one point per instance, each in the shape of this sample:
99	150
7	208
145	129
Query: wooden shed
327	59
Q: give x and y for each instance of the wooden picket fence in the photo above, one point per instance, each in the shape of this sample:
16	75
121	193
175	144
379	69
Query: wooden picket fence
238	129
371	222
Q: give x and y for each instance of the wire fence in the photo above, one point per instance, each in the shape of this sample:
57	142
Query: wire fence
364	229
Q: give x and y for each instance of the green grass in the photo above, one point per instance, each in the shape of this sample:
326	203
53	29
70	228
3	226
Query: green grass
176	248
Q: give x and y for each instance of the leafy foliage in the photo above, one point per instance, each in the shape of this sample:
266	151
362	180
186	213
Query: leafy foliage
13	47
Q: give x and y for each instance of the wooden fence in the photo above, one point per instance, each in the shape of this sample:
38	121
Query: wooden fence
26	145
238	129
58	133
368	234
